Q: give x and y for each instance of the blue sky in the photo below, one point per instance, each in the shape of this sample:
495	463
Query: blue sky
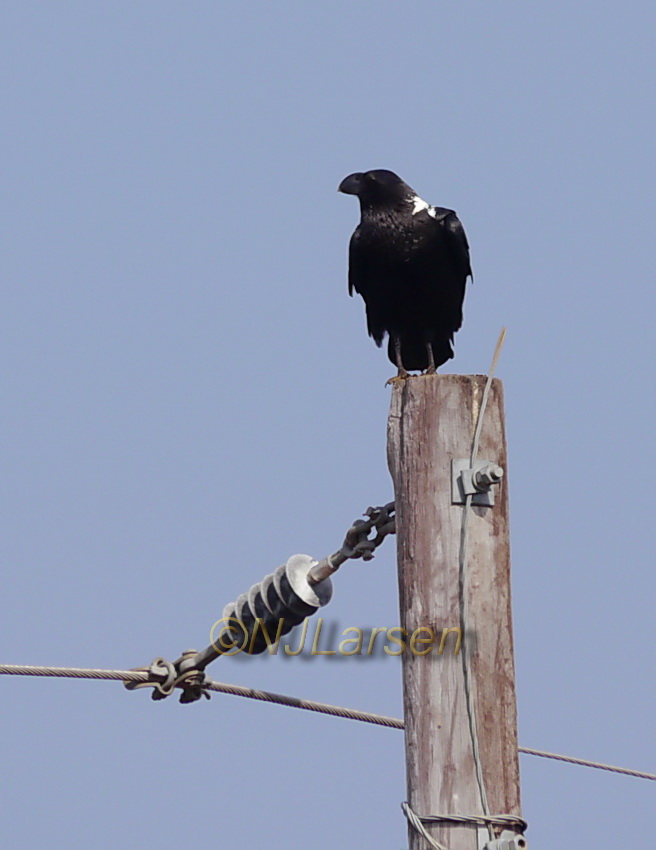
190	397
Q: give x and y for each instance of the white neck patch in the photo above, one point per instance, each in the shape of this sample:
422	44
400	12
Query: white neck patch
419	204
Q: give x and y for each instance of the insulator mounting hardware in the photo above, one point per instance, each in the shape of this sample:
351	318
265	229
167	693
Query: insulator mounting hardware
476	481
282	600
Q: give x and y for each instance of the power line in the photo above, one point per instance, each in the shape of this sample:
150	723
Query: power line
290	702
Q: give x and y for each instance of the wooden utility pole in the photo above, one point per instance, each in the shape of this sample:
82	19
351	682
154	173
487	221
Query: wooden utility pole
432	421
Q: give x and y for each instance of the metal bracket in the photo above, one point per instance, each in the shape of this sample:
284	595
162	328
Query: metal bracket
474	481
508	840
357	543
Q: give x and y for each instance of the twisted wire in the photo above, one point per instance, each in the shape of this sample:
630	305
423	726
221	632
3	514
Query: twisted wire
74	672
415	820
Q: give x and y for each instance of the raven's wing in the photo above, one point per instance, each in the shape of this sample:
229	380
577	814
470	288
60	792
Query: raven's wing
455	250
456	240
355	279
370	285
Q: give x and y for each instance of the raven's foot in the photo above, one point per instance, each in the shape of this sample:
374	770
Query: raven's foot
400	377
430	371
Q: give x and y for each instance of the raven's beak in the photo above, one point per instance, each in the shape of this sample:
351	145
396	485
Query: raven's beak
351	185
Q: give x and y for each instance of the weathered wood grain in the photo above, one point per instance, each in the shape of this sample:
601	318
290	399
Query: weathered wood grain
432	420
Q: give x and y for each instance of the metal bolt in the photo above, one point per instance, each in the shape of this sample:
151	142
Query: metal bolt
486	476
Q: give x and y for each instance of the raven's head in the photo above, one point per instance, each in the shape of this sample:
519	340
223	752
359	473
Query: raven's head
376	187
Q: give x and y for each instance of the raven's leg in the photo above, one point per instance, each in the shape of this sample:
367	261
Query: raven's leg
431	360
397	356
402	374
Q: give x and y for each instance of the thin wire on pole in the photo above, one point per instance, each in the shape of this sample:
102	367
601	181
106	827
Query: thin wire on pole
469	684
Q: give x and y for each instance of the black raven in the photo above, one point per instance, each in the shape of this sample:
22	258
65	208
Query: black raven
410	263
